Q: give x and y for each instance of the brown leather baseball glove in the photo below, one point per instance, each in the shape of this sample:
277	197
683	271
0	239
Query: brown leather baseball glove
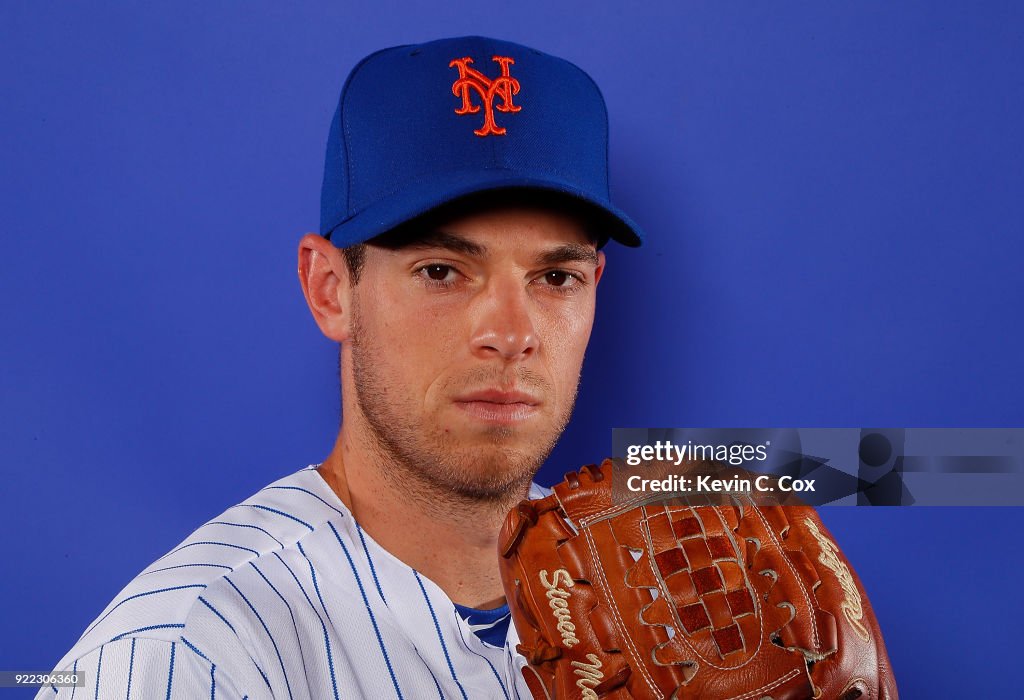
666	600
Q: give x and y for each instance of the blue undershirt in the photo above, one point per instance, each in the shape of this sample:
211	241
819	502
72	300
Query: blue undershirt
491	626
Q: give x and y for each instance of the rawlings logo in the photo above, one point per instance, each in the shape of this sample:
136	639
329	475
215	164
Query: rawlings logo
504	86
853	607
558	600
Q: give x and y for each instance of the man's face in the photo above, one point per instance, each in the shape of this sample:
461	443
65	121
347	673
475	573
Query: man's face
466	346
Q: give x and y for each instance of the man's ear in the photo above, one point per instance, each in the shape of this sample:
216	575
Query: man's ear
324	277
599	270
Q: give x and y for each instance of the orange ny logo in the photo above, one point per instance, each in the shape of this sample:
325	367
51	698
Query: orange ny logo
504	86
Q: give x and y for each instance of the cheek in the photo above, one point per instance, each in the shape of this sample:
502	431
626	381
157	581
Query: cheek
421	344
407	322
567	339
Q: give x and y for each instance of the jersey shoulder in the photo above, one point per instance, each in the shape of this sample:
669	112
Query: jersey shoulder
158	603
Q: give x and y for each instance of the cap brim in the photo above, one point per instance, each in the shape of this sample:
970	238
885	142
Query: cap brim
441	189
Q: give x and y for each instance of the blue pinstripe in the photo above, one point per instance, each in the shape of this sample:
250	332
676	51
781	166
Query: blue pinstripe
210	542
266	524
316	586
279	512
496	676
170	625
216	612
253	527
213	666
296	488
194	648
509	661
170	671
327	640
369	560
74	669
369	610
440	637
99	673
295	626
488	661
131	667
267	630
431	672
231	627
184	566
141	595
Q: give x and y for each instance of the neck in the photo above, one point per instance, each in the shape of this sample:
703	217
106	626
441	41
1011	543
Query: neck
449	539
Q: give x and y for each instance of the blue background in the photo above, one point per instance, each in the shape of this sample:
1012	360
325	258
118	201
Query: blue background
833	199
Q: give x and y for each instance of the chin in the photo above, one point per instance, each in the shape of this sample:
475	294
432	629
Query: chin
494	486
497	456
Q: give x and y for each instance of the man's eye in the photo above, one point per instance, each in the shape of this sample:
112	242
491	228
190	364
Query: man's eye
438	272
560	278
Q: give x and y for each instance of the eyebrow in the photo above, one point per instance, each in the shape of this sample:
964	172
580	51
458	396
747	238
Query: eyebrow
569	252
450	241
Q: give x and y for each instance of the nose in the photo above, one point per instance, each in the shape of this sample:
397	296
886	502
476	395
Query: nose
504	322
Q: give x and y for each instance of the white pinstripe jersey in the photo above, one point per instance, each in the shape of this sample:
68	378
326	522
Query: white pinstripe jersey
284	596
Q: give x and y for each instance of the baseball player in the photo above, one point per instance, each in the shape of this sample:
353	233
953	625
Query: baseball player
464	210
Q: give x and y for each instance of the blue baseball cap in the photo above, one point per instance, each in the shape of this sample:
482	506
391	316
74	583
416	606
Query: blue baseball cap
421	126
